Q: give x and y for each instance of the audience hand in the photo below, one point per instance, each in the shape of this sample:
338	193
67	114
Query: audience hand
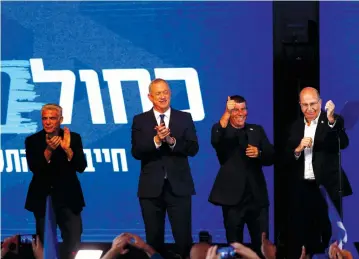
6	245
336	253
303	255
37	248
212	253
140	244
268	249
119	244
244	251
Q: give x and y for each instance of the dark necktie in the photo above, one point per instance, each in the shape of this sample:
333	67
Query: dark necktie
162	120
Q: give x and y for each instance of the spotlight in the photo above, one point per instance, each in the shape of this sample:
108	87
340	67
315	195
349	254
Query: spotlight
88	254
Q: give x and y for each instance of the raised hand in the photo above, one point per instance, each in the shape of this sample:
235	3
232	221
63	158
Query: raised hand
53	143
329	107
119	244
212	253
66	141
268	249
37	248
138	242
231	104
244	251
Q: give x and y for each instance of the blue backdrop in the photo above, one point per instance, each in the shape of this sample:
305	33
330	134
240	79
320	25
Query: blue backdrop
96	60
339	70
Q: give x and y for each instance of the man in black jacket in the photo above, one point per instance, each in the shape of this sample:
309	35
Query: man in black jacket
312	160
240	187
54	156
163	138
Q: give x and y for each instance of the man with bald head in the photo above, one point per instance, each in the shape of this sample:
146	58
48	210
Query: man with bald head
312	156
163	138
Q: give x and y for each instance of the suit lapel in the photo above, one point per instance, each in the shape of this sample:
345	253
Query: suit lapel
42	139
300	128
173	114
152	118
322	123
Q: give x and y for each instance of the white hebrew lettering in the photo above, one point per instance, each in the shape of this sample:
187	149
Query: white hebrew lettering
65	77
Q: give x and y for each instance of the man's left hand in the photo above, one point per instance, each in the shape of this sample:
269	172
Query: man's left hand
65	142
329	107
252	151
170	140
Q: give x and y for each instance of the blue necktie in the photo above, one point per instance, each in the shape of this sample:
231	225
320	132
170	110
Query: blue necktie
162	120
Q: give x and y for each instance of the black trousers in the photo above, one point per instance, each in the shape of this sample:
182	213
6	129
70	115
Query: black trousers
70	225
256	218
179	213
309	223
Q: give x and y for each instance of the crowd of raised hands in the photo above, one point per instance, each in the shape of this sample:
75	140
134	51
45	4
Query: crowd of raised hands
123	243
269	251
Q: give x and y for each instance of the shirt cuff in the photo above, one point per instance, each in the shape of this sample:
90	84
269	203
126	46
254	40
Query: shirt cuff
174	144
157	146
297	156
332	125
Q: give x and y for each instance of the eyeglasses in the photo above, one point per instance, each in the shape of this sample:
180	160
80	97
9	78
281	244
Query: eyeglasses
308	105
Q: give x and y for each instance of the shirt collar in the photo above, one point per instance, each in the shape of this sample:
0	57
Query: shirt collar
167	113
314	121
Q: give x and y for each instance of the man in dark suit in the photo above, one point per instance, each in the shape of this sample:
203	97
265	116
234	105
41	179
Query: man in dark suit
312	157
54	155
240	187
162	139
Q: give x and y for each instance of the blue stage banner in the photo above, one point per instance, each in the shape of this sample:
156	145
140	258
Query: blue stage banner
339	70
96	59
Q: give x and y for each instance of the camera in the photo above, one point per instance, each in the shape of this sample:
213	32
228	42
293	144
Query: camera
26	239
24	243
226	252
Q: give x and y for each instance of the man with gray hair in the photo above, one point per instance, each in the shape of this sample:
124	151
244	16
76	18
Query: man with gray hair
54	155
162	139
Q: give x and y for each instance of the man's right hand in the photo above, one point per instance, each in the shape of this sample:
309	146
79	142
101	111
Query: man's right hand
53	142
230	104
162	133
306	142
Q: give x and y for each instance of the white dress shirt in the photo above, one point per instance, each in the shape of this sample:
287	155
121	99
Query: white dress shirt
167	122
309	132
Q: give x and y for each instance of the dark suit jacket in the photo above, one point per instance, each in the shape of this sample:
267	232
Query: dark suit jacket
57	177
236	168
325	154
155	162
